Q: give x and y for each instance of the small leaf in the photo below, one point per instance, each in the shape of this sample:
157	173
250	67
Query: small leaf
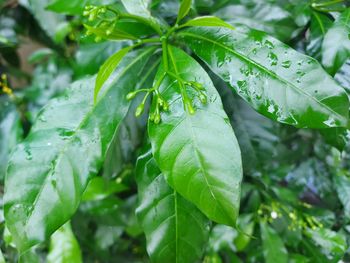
176	231
274	250
211	21
64	247
203	169
336	43
185	7
274	79
107	68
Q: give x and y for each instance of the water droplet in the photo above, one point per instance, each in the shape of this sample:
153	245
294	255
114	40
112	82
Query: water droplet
273	59
271	109
286	63
28	153
42	118
54	183
269	44
330	122
254	51
49	144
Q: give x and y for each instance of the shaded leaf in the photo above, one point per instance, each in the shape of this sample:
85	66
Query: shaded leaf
137	7
185	7
176	231
274	250
342	186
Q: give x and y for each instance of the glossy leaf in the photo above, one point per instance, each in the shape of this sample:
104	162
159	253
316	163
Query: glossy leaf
336	43
137	7
107	69
207	21
74	7
274	250
277	81
342	186
262	15
50	170
64	247
206	171
176	231
185	7
99	188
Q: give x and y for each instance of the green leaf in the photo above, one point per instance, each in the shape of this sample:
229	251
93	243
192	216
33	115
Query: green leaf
46	19
64	247
342	186
185	7
137	7
176	231
274	250
50	170
207	21
99	188
337	137
74	7
10	132
336	43
116	34
277	81
261	15
333	245
320	23
203	169
107	69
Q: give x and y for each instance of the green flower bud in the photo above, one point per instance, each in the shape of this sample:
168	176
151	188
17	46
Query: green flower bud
157	118
98	39
131	95
190	108
139	110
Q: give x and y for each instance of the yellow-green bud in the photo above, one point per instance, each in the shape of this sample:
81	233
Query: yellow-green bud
139	110
131	95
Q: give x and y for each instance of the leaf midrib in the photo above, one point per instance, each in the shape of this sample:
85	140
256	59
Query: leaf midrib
195	145
264	69
82	123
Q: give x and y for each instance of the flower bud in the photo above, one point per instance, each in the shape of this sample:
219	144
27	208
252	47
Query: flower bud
131	95
139	110
157	118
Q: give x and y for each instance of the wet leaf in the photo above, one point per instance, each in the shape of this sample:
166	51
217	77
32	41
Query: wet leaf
336	44
277	81
50	170
207	21
206	171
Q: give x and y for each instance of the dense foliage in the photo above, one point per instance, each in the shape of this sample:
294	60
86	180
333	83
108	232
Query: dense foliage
175	131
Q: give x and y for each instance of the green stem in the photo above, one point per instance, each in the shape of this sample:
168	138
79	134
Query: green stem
165	53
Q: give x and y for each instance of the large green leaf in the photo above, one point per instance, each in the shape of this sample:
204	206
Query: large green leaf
176	231
202	168
336	43
49	171
274	250
277	81
64	247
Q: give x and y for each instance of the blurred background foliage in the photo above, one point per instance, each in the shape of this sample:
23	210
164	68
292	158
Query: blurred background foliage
296	193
